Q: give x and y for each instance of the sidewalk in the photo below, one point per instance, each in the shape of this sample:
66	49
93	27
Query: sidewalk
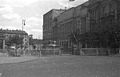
6	59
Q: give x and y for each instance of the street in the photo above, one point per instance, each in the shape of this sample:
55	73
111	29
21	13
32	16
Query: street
64	66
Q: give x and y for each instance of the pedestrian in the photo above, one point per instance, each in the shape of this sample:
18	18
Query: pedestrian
18	51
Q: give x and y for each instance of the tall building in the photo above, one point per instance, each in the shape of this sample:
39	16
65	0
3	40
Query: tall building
58	27
91	16
49	20
75	18
104	14
69	21
81	17
65	25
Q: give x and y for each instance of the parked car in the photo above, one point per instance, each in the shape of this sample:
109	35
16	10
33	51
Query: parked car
12	51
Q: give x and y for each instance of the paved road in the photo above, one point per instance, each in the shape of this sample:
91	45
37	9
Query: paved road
64	66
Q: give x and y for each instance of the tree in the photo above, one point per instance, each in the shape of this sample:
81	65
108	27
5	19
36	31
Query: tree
107	38
14	40
75	36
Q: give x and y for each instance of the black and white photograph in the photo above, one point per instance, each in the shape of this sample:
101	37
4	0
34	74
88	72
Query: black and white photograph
59	38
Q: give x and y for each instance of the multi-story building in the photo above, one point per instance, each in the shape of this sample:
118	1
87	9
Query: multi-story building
49	20
59	27
103	14
65	25
69	21
91	16
81	18
5	34
11	33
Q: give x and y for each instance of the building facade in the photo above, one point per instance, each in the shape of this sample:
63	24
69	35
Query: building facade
81	18
5	34
104	14
65	23
91	16
49	20
75	18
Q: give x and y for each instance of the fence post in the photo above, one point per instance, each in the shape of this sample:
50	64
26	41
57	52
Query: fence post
60	52
97	51
54	51
40	53
119	50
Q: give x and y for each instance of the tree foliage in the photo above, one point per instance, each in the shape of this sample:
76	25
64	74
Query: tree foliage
107	38
75	36
14	40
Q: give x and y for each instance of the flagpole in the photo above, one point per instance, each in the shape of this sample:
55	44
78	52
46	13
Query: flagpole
22	27
69	3
23	24
67	7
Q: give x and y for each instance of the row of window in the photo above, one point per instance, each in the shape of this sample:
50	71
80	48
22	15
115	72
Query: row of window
102	11
65	43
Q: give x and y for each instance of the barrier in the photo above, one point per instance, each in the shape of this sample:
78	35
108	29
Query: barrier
44	52
57	51
91	51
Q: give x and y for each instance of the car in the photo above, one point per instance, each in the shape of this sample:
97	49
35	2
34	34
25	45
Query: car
12	51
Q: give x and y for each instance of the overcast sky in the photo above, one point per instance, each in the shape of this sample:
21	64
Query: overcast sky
13	11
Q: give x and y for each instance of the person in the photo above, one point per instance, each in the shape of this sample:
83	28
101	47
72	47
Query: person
18	51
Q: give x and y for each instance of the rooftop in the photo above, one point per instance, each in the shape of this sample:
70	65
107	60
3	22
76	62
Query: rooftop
13	31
